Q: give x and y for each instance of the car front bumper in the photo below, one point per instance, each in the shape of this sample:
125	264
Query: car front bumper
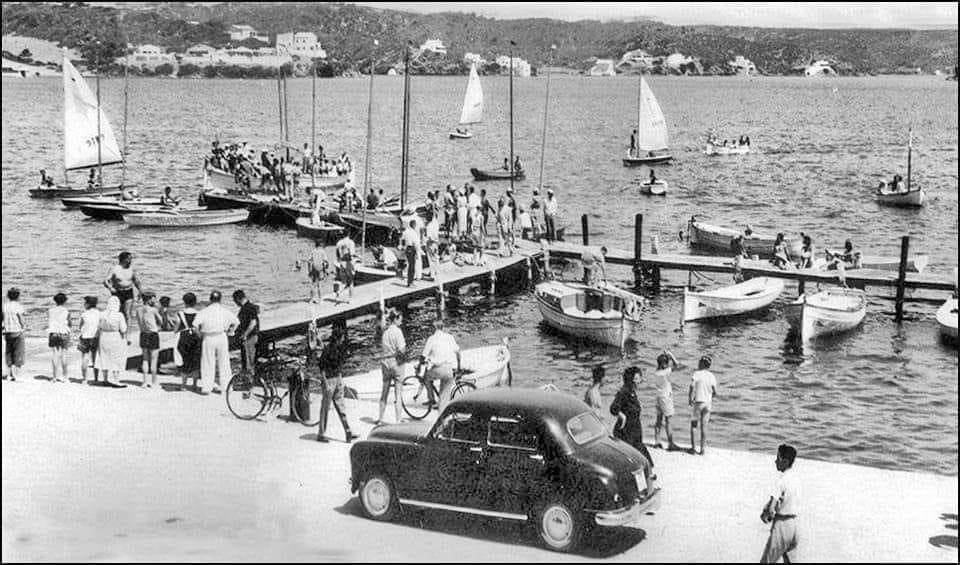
628	516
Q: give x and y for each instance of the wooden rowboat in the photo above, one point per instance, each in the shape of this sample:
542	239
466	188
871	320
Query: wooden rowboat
915	264
914	198
486	366
656	188
499	174
605	314
747	296
324	231
77	201
947	319
827	312
186	218
726	150
118	211
716	238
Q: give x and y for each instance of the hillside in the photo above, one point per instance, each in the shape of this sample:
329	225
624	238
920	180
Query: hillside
347	32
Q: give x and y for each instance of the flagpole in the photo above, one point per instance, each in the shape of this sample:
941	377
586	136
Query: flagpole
405	146
313	130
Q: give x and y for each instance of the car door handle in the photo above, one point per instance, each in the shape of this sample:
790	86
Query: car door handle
536	457
476	450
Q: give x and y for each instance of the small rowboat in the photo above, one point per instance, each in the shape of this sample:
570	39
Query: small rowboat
118	211
186	218
650	159
827	312
324	183
915	197
656	188
486	366
458	135
324	231
716	238
726	150
77	201
947	318
363	274
60	191
747	296
605	314
500	174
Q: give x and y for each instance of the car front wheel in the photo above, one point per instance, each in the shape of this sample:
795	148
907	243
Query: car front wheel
559	526
377	497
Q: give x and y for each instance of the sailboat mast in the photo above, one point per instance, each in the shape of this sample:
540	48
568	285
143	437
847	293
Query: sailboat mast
99	133
909	155
286	117
546	111
366	162
313	128
639	91
280	104
405	146
510	167
123	163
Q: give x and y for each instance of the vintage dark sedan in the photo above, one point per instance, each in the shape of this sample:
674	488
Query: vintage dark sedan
527	455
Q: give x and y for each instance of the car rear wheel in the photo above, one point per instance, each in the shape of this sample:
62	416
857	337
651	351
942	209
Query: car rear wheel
377	497
559	526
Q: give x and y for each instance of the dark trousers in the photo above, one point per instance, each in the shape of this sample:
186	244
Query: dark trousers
551	233
411	253
334	394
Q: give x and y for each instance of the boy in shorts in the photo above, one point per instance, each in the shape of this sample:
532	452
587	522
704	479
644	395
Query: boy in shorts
666	363
149	320
89	326
703	387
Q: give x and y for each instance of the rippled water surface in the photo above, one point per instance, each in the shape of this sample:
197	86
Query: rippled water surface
881	395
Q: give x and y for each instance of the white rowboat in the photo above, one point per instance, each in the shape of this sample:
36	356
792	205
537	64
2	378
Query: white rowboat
605	315
915	264
656	188
827	312
726	150
748	296
187	218
486	366
947	318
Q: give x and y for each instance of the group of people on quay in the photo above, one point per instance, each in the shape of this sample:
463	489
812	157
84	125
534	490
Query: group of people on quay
850	257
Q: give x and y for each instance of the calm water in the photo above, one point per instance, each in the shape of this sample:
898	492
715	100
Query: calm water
881	395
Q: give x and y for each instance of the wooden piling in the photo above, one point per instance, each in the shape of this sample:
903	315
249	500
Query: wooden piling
584	225
902	276
637	246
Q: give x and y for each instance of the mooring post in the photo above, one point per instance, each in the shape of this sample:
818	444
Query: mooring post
902	275
800	287
637	245
493	281
584	225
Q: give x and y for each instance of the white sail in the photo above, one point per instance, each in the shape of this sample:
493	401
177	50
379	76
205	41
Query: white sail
651	123
80	125
472	100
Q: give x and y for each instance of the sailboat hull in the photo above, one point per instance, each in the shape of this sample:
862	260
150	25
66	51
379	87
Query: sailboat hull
658	188
496	175
947	319
324	231
629	161
67	192
827	312
914	198
457	135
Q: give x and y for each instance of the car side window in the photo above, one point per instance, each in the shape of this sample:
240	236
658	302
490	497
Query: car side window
462	427
514	433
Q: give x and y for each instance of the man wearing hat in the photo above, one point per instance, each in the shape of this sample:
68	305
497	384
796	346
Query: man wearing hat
550	209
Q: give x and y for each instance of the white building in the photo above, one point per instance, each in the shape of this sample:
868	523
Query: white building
743	66
239	32
676	62
636	59
818	68
603	68
204	55
474	59
302	44
434	45
521	68
149	56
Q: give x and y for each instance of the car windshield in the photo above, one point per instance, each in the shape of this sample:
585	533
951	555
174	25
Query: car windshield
585	428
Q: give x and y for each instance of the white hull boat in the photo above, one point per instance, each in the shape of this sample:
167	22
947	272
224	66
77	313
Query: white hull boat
915	264
914	198
748	296
605	315
656	188
187	218
726	150
716	238
486	366
947	318
827	312
459	135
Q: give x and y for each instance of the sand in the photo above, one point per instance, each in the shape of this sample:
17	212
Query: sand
97	474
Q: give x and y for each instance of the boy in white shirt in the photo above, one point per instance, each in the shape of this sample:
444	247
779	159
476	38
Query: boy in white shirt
703	387
782	510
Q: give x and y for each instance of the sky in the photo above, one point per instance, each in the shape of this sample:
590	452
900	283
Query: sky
912	15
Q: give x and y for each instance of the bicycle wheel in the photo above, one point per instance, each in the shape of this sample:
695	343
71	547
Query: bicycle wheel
463	387
414	397
306	402
247	396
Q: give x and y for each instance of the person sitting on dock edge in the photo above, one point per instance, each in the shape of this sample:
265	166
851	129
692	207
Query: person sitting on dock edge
849	257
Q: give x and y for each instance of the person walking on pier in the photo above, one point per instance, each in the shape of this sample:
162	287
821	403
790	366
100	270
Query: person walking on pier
666	364
626	407
781	511
121	281
432	245
249	334
215	324
394	354
410	241
550	209
703	388
331	363
317	267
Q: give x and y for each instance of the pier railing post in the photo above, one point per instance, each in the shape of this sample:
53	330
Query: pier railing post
584	225
637	245
902	276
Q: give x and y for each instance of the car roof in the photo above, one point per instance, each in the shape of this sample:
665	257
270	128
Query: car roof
527	400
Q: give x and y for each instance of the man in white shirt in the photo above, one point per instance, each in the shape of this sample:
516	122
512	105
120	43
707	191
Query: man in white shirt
592	263
782	509
550	209
433	245
215	323
703	387
442	354
410	243
345	249
394	353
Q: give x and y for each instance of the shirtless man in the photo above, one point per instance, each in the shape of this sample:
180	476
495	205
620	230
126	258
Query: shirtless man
121	281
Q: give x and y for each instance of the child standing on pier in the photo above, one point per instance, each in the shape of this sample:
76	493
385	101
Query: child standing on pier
149	321
666	363
89	326
13	328
703	387
58	328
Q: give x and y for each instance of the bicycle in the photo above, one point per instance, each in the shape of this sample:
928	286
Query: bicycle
414	385
249	396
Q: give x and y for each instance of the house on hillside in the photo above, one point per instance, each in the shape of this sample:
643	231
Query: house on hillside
819	68
474	59
203	55
434	45
239	32
742	66
301	44
603	68
521	68
638	59
149	57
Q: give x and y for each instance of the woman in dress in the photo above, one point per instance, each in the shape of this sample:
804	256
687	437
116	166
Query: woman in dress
112	344
626	407
188	344
462	208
